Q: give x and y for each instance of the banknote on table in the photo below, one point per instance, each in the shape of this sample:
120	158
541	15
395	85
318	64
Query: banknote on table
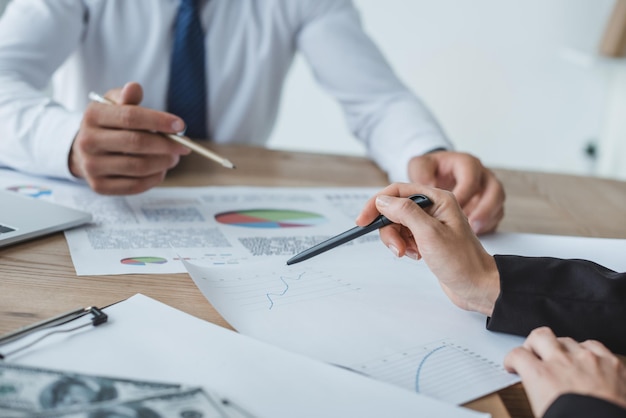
37	392
189	403
29	389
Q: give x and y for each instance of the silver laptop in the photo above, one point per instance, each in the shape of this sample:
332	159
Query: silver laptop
23	217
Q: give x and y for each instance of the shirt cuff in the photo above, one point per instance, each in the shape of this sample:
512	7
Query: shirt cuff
399	172
52	153
404	130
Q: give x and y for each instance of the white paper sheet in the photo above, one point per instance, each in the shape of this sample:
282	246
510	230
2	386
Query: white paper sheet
145	233
362	308
147	340
38	187
148	233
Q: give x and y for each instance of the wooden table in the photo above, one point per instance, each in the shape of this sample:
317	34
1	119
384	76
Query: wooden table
37	278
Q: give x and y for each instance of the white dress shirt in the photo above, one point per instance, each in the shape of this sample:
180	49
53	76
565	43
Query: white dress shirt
95	45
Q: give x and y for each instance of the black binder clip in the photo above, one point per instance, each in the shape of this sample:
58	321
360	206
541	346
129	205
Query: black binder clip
98	318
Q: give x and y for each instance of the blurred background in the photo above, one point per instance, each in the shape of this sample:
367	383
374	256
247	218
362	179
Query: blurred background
520	84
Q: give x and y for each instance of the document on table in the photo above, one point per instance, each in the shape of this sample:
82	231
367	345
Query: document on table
383	317
147	340
37	187
150	232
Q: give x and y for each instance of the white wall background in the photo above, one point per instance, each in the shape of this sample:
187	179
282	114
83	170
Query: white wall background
515	82
510	81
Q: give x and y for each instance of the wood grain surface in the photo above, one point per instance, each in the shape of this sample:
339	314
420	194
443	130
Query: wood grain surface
37	278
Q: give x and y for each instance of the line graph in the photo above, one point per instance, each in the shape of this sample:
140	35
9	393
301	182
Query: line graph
269	291
284	280
442	369
421	365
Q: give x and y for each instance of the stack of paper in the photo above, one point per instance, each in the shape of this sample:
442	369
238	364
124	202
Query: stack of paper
147	340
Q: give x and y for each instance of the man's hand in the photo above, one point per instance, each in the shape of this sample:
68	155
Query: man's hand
117	150
476	188
551	366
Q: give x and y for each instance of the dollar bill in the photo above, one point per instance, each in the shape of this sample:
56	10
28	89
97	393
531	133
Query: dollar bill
189	403
25	390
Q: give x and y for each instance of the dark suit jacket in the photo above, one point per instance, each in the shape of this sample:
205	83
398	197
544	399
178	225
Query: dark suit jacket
572	406
576	298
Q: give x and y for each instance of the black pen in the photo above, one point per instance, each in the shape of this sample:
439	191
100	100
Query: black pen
353	233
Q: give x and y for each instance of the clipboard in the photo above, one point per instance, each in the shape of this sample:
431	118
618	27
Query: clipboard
98	318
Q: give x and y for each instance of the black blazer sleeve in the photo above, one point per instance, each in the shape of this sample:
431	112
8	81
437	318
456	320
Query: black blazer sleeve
576	298
571	405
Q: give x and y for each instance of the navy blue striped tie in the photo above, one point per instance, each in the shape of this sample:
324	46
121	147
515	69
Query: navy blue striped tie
187	90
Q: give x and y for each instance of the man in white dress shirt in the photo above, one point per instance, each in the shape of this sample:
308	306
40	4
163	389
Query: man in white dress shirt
123	48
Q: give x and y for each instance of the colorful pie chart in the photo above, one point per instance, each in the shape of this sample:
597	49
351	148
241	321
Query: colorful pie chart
31	190
270	218
143	261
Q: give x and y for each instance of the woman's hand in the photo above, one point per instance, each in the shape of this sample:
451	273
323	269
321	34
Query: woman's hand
442	236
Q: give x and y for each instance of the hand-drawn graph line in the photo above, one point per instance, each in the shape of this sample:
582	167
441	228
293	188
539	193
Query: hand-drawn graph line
284	280
443	370
419	368
256	292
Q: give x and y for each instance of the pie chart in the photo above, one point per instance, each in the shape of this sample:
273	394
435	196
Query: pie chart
143	261
31	190
270	218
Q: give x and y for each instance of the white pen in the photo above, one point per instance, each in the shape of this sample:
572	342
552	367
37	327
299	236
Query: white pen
181	139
